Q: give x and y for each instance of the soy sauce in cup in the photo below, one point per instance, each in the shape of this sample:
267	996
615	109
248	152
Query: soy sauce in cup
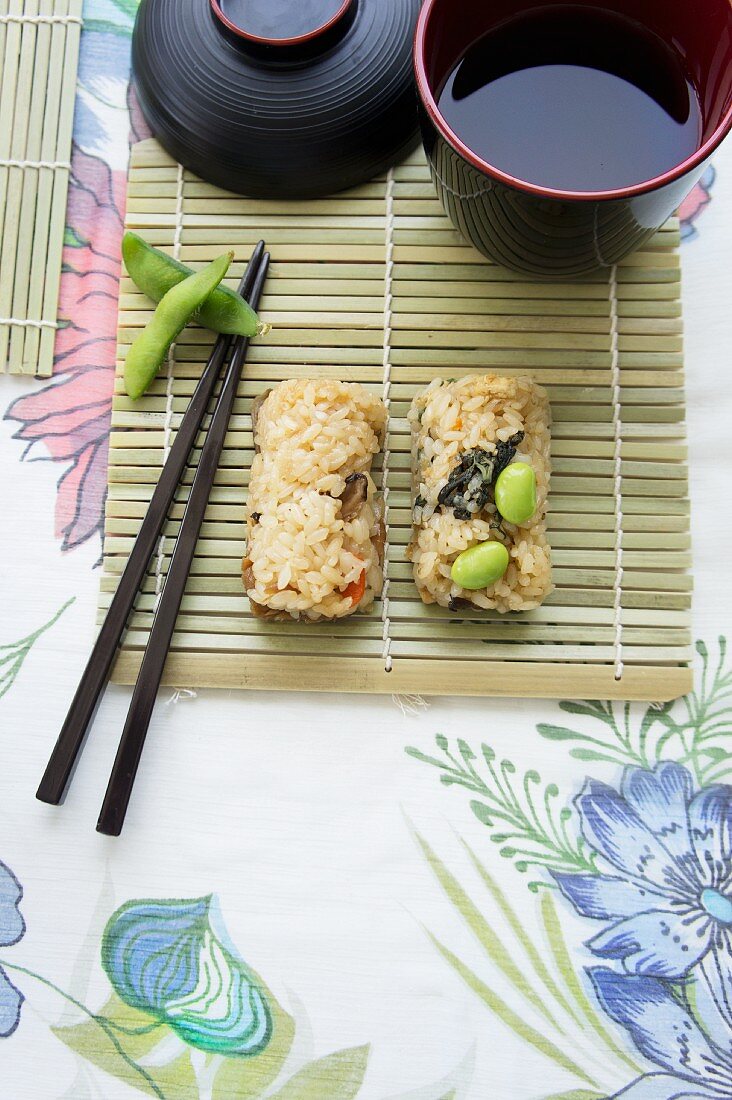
561	136
576	99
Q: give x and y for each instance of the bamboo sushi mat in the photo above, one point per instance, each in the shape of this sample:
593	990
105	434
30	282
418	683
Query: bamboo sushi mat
376	286
39	47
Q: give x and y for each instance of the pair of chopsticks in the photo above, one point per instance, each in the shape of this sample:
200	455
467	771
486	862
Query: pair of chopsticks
70	743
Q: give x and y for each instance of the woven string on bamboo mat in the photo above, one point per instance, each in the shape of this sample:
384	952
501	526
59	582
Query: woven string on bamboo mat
376	286
39	47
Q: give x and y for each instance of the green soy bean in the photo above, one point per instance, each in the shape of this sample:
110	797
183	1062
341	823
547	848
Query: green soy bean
148	352
480	566
155	273
516	493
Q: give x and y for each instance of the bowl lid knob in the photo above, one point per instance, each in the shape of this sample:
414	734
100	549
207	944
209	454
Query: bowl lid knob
282	24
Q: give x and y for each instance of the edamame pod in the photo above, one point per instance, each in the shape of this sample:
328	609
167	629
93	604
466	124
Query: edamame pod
148	351
155	273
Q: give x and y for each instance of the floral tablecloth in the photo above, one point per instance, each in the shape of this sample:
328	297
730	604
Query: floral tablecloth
318	898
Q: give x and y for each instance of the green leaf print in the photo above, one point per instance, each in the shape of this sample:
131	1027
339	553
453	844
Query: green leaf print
502	959
693	731
188	1019
497	952
188	1016
250	1078
618	743
576	1094
107	26
167	958
13	656
704	730
522	813
123	28
127	7
72	238
515	924
509	1017
548	984
563	963
338	1076
117	1037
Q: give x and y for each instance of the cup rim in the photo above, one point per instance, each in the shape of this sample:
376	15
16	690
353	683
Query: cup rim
296	40
538	190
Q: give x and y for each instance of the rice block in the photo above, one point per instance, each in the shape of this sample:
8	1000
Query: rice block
464	433
315	521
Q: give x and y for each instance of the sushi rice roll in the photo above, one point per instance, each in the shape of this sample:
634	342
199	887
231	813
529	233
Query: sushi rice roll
315	525
466	435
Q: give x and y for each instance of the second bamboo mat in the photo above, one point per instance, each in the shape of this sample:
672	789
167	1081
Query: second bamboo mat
39	47
376	286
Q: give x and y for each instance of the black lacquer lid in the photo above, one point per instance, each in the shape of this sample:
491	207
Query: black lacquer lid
279	98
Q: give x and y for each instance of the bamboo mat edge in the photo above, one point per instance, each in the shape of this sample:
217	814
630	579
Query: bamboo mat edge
506	679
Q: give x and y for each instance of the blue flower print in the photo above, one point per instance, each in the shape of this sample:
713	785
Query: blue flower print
12	928
693	1065
165	958
669	902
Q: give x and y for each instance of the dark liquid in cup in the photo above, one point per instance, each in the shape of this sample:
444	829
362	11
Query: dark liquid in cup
580	101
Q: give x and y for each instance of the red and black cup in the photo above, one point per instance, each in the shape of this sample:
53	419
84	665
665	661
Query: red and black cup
542	231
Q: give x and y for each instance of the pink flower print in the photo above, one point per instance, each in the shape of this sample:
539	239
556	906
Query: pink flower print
694	203
70	417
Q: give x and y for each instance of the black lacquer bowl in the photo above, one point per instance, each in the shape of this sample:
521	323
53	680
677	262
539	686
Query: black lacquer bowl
279	98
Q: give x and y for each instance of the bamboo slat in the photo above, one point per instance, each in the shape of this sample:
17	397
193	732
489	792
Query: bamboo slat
39	46
452	312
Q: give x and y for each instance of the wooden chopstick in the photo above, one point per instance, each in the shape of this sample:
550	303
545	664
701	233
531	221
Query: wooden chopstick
124	769
70	743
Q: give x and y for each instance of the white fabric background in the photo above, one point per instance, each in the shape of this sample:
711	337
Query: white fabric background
295	810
